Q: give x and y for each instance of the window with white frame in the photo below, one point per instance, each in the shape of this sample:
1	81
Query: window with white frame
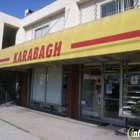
42	31
116	7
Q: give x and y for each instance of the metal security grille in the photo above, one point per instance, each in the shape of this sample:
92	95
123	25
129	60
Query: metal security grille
128	4
109	9
116	7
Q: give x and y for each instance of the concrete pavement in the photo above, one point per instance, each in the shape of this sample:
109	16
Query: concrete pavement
52	127
9	132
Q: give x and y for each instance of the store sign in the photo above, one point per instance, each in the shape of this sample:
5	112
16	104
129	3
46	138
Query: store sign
49	48
38	52
134	80
131	133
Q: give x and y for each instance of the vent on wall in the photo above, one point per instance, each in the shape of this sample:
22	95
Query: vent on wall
28	12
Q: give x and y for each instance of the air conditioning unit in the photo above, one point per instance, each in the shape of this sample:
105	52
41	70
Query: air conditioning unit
28	12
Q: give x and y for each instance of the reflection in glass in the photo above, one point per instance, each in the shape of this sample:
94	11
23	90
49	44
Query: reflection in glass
111	86
131	89
111	97
90	112
91	92
111	108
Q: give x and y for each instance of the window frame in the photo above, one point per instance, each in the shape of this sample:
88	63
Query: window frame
104	5
40	28
120	6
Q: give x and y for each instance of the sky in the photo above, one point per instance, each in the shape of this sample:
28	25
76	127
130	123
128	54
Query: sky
17	8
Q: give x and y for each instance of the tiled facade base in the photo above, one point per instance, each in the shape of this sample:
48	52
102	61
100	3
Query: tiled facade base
72	91
24	83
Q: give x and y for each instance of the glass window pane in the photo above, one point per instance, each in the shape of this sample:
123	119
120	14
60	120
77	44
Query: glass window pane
91	92
38	33
91	87
54	85
109	9
93	112
111	86
39	84
111	108
131	89
128	4
45	30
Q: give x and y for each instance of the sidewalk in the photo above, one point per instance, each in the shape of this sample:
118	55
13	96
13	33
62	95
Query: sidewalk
51	127
9	132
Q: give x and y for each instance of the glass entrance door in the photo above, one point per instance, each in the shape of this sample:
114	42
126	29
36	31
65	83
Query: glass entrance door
110	102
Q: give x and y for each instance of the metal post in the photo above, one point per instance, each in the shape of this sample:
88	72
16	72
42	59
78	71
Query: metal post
6	98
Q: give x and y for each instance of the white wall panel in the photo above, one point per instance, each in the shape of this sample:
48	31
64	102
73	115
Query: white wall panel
1	33
20	36
29	33
88	11
57	22
71	15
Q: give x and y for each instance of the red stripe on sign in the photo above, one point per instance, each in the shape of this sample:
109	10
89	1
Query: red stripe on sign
4	60
107	39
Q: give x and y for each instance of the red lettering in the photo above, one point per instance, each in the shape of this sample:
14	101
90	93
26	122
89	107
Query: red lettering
15	57
30	55
49	50
20	57
37	53
41	55
24	55
57	48
36	49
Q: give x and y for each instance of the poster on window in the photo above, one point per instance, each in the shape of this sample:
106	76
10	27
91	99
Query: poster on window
42	79
134	80
108	88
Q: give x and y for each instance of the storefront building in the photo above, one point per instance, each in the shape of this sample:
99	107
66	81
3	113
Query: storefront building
89	71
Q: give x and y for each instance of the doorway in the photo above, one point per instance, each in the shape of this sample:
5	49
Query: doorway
110	100
101	92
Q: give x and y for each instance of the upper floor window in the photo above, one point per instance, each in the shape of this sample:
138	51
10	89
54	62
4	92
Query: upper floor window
116	7
41	31
128	4
109	9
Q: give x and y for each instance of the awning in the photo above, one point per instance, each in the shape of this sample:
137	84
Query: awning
114	34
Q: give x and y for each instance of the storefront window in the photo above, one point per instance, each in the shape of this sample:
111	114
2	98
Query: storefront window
91	92
49	89
54	85
131	89
39	83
